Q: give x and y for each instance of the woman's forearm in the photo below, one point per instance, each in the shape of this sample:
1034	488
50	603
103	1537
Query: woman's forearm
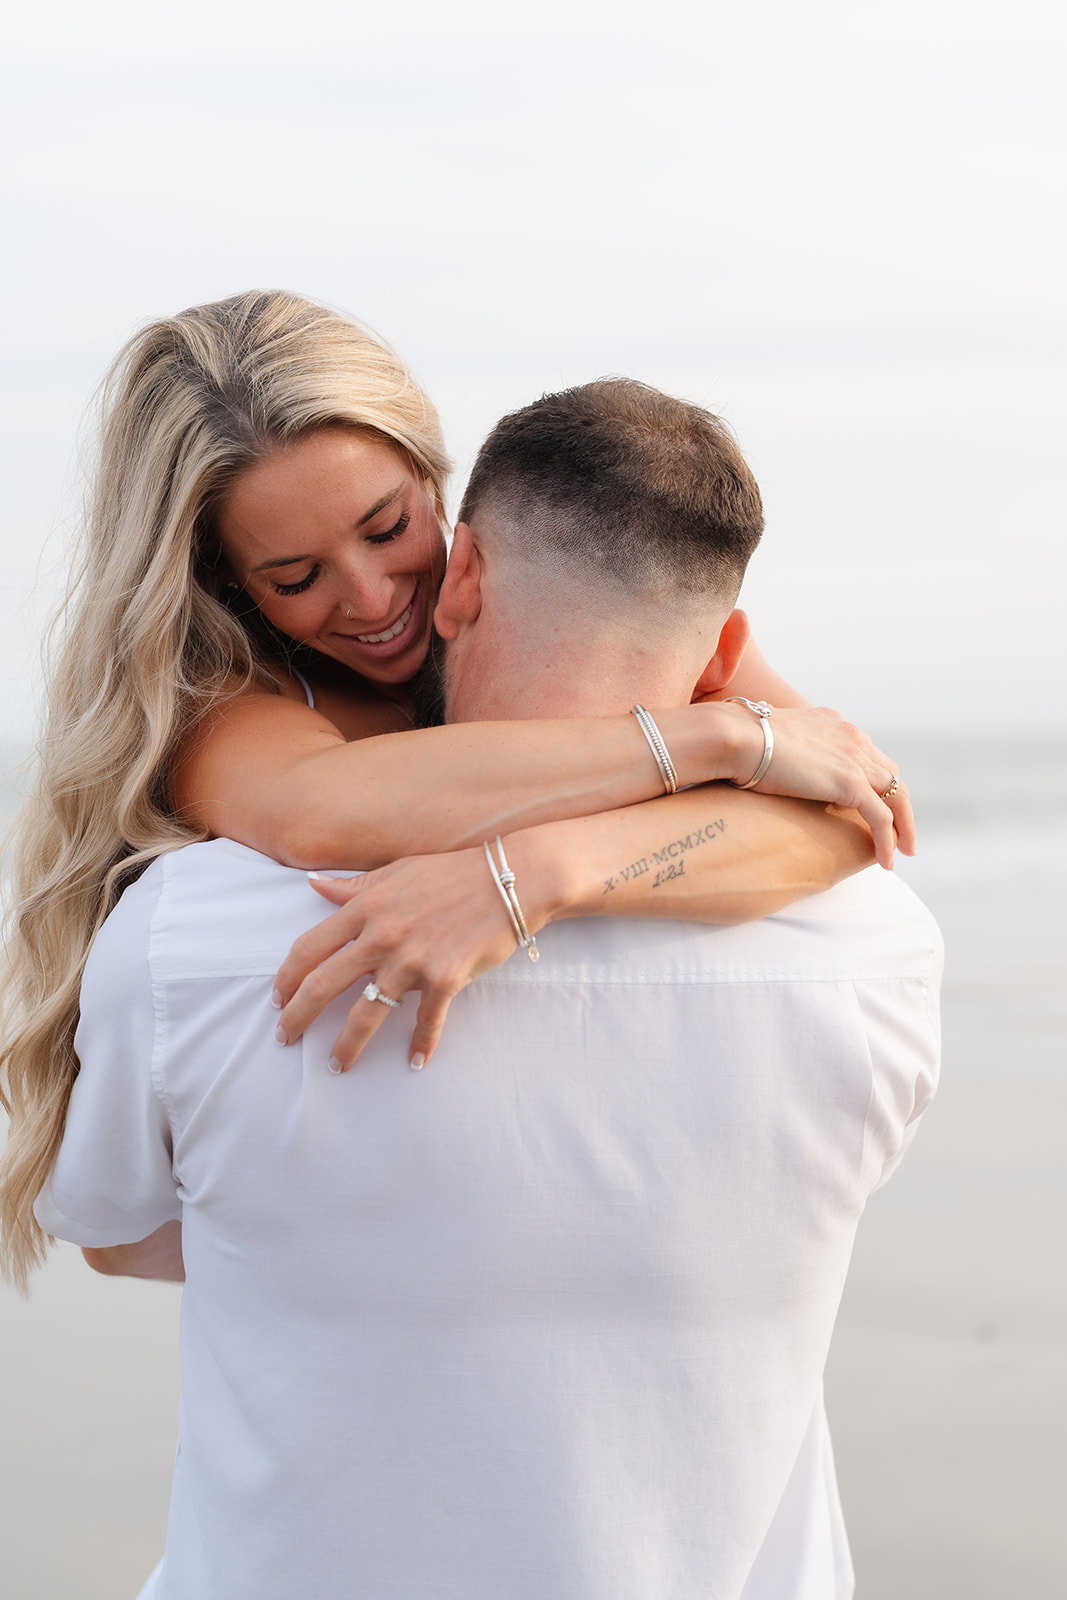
277	777
711	855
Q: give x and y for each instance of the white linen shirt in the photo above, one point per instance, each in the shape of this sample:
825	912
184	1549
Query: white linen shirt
546	1321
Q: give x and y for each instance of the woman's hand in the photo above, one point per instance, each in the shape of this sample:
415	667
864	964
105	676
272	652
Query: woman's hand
434	923
819	756
431	923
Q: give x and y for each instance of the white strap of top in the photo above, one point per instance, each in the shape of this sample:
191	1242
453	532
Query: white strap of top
299	676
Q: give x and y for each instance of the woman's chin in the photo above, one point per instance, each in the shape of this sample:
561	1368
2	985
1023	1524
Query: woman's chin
396	674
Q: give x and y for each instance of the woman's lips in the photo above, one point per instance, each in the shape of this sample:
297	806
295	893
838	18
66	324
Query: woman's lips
393	639
389	633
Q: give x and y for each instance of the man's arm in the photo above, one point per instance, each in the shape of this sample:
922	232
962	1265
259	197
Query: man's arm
159	1256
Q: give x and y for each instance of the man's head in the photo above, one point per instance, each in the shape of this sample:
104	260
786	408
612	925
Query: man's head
601	545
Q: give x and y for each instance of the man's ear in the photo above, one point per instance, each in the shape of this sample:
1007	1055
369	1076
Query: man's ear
460	599
727	658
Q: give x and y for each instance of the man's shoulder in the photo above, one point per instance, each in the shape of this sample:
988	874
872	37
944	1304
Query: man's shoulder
212	909
870	926
873	923
878	915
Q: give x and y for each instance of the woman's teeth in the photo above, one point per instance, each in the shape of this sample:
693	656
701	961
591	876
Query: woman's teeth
390	633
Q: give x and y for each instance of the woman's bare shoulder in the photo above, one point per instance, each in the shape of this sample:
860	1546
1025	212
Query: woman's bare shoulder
251	733
255	737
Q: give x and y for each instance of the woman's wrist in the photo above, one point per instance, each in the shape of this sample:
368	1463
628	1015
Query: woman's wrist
711	742
558	866
548	877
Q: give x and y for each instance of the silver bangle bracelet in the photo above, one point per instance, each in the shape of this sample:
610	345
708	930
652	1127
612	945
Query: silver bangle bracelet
763	711
658	745
504	879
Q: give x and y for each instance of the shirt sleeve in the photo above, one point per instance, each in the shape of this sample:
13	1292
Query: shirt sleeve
113	1180
904	1039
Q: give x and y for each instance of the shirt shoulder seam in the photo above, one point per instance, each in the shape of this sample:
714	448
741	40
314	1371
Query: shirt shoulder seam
157	1066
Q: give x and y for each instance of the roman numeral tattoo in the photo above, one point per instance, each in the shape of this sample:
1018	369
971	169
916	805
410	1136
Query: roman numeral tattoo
670	859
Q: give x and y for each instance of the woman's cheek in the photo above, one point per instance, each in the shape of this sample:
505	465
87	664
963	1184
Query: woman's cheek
301	622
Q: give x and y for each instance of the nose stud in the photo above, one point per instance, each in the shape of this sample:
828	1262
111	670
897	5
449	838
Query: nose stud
348	616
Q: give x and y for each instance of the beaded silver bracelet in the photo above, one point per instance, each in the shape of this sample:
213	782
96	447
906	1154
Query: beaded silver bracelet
504	879
658	745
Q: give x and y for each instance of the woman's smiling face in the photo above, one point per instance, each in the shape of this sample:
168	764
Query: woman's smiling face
336	541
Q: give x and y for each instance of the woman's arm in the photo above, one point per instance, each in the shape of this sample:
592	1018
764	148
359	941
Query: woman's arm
281	778
710	855
435	923
159	1256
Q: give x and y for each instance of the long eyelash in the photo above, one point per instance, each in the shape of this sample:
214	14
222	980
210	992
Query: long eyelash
391	533
399	527
296	588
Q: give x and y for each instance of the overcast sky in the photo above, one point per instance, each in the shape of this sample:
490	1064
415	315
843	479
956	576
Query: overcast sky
839	223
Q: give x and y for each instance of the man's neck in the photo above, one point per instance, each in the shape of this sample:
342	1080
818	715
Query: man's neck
551	677
543	645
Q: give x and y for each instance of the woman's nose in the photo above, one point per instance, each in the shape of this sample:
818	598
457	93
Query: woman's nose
366	597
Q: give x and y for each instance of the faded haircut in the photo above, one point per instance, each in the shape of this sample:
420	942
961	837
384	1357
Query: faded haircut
624	483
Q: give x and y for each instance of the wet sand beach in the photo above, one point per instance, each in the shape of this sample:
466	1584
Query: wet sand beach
946	1383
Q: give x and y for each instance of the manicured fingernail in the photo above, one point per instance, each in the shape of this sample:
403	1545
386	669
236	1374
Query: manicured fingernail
417	1062
315	876
280	1036
336	1066
276	999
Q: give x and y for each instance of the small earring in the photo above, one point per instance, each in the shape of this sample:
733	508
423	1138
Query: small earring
231	587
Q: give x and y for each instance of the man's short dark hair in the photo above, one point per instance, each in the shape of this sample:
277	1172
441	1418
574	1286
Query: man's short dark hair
621	480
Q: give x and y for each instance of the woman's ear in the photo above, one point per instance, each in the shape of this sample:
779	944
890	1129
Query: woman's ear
719	671
460	599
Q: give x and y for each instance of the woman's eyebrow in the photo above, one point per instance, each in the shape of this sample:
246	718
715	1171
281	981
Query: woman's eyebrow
291	561
380	505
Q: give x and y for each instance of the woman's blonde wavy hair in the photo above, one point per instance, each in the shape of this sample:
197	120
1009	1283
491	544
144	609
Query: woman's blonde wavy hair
146	647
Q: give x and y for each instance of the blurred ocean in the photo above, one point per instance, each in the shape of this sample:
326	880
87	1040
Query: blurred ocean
992	817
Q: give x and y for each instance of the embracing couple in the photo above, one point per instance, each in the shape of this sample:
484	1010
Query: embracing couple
550	1319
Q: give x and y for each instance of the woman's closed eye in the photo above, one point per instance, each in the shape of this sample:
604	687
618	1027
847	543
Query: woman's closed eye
392	533
297	588
386	537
